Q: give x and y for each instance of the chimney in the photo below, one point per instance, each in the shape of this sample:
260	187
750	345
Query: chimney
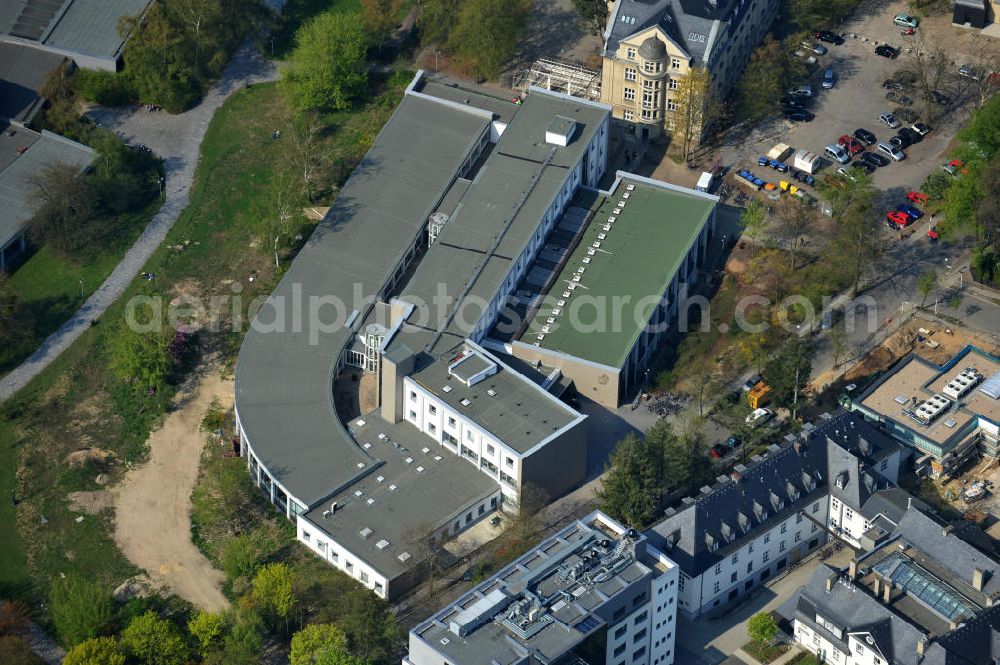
887	592
798	447
877	587
921	646
947	530
978	578
830	581
852	569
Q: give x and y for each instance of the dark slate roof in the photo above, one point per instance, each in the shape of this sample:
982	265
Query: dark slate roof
977	642
690	23
949	547
852	607
757	497
892	503
23	72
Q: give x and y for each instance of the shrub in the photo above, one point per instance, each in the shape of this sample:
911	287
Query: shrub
80	609
104	88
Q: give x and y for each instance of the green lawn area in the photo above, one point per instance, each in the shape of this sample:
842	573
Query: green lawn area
48	285
77	403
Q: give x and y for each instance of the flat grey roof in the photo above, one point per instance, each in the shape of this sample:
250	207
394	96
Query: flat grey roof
18	169
400	502
284	379
503	109
88	27
519	413
564	624
23	72
521	163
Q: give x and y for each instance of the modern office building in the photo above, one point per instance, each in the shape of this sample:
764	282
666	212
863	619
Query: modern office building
835	480
946	413
402	281
926	594
650	45
609	285
84	30
595	592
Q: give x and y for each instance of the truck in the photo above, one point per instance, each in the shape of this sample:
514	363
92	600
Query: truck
806	161
758	395
705	182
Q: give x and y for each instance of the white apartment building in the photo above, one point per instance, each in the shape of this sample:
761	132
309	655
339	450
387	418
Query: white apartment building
596	591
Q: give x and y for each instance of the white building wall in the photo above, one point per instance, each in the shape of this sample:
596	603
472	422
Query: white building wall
819	645
338	557
664	615
846	521
629	639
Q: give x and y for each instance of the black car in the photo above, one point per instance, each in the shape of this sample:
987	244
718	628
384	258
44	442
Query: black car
911	135
828	37
865	136
887	51
893	84
799	115
792	103
941	99
874	159
863	164
900	141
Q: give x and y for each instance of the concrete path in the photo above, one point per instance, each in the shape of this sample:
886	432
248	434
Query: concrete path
176	138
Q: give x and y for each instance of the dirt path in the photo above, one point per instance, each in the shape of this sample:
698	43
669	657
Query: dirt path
153	503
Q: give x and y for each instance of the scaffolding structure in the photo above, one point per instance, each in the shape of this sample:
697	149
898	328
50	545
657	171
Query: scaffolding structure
562	77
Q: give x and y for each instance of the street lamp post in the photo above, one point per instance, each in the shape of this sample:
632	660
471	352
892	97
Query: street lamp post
160	181
81	287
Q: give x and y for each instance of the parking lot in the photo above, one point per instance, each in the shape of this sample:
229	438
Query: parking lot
856	101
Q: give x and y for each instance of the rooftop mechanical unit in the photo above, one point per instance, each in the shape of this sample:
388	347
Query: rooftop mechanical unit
958	387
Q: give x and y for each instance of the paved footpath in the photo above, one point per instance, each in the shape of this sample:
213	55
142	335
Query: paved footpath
177	139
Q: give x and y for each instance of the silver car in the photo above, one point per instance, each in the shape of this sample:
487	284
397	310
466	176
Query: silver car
892	151
889	120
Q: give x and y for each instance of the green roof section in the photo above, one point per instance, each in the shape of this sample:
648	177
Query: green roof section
637	258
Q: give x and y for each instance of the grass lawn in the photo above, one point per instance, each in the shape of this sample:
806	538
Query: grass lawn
77	403
765	653
49	288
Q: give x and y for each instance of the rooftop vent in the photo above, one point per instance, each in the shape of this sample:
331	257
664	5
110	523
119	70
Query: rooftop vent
560	131
963	383
409	460
358	493
392	488
371	502
465	402
366	532
382	544
446	389
630	187
491	392
380	478
425	450
931	408
420	469
361	465
403	556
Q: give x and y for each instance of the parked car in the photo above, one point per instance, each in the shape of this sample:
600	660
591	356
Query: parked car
911	135
851	144
751	382
891	151
893	84
921	129
864	164
917	197
828	37
791	102
932	233
874	159
838	153
887	51
799	115
717	451
818	49
846	174
734	442
865	136
803	177
905	20
912	211
758	417
940	98
897	98
829	79
901	141
969	72
802	91
889	120
898	218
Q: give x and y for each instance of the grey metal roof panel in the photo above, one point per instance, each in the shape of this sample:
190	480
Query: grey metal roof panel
91	26
16	198
284	378
23	72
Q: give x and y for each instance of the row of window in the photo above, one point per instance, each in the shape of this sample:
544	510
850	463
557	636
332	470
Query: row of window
334	558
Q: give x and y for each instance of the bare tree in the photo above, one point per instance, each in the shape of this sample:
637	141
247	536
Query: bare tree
929	69
197	14
793	222
65	207
696	108
987	63
381	17
307	151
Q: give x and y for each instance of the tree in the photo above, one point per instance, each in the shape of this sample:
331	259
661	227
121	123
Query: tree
307	153
381	18
485	34
141	358
838	340
95	651
925	284
80	608
326	69
754	220
929	68
241	554
437	19
8	311
272	590
788	372
208	628
793	223
153	641
809	13
762	82
15	650
633	480
854	247
593	14
243	644
317	642
371	628
65	208
762	628
696	108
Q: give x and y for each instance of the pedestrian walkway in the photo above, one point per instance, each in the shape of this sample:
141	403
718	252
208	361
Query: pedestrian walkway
177	139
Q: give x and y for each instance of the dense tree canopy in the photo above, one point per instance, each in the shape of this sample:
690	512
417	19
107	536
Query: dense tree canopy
95	651
482	34
153	641
326	70
593	14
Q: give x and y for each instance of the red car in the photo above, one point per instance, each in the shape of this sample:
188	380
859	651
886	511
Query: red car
917	197
932	233
898	218
851	144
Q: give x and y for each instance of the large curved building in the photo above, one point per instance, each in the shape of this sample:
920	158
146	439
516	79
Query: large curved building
457	434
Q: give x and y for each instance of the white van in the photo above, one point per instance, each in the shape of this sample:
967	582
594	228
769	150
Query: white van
838	153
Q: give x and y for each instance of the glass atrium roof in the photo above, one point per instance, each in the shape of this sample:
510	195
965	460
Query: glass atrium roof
919	584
